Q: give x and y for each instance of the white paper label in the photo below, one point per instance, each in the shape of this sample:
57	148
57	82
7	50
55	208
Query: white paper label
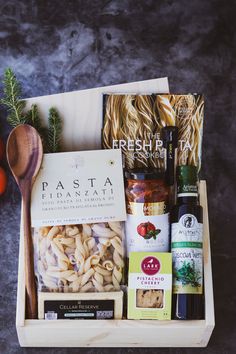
147	233
142	281
79	187
186	247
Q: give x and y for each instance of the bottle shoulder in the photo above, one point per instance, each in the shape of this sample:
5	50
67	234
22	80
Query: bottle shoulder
181	209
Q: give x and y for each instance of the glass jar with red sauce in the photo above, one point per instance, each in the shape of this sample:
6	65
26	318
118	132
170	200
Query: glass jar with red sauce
147	225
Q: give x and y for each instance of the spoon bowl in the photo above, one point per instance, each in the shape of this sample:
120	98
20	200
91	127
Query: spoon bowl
24	155
24	152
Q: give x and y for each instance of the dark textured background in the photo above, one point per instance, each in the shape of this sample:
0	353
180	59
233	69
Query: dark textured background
57	46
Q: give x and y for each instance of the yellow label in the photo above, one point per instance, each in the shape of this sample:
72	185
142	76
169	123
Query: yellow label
147	209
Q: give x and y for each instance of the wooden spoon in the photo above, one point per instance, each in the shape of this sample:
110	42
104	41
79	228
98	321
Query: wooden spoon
24	154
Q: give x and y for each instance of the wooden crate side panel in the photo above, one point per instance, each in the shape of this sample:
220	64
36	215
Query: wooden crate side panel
208	284
133	335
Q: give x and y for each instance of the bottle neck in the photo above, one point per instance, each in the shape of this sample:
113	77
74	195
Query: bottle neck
187	200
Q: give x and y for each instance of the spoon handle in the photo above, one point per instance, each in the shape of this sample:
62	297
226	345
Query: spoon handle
31	292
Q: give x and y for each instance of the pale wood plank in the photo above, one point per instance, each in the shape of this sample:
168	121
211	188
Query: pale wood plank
126	333
209	294
82	110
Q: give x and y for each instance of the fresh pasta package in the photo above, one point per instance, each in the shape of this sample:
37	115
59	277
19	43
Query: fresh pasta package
134	123
80	258
77	218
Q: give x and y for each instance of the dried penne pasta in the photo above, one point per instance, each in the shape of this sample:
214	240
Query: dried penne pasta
116	226
103	231
87	230
108	287
72	230
108	265
116	243
101	270
116	278
88	286
104	241
86	276
44	230
118	260
80	258
108	279
53	232
90	242
97	285
98	277
91	261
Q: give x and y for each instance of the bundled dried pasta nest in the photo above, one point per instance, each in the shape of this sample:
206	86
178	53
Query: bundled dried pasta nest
80	258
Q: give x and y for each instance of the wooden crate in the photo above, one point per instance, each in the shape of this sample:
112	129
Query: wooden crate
120	333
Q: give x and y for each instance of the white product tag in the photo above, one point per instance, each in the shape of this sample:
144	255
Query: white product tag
79	188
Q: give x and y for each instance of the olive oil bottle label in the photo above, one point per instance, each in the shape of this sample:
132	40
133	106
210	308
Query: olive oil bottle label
147	227
186	247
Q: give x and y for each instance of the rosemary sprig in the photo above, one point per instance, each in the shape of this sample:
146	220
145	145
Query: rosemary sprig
33	118
11	99
54	131
17	114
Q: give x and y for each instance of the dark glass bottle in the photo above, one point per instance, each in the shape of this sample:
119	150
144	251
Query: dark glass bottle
186	246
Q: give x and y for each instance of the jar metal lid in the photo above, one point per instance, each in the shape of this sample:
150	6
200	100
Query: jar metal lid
144	174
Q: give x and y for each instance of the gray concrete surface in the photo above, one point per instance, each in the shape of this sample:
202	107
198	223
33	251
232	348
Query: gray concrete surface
57	46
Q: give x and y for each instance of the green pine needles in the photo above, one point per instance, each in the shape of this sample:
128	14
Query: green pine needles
54	130
17	114
12	101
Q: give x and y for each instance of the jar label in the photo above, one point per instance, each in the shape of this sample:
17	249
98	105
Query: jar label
186	247
147	227
146	208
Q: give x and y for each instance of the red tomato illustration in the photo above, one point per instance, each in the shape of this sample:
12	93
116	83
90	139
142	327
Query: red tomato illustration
144	228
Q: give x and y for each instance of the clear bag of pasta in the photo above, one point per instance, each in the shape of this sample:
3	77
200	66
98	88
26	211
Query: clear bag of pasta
79	258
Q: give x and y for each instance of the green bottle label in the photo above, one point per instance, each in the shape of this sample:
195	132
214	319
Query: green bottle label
186	248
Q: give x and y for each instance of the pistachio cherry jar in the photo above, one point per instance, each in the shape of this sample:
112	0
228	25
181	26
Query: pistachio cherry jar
147	225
